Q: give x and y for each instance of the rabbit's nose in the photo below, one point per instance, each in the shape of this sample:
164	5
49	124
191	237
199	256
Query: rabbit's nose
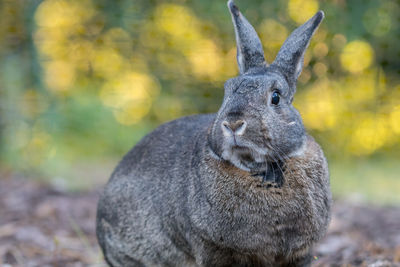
236	127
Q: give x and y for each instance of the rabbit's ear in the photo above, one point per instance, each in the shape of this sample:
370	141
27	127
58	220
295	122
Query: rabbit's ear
250	53
291	55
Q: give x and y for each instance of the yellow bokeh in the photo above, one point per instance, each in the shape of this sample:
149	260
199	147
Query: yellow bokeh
107	62
272	35
320	50
318	106
188	47
58	22
179	37
130	86
59	75
59	14
356	56
81	54
305	76
337	106
132	114
301	10
50	43
320	69
205	59
60	41
128	91
362	88
395	119
130	95
371	133
177	21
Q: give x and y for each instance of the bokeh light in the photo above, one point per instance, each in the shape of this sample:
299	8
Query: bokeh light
272	35
84	80
130	95
395	119
205	59
301	10
356	56
59	75
318	106
370	133
320	50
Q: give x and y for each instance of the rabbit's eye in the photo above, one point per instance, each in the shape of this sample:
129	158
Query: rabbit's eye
275	98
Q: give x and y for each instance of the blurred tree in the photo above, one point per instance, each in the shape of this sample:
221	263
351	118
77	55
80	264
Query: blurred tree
84	80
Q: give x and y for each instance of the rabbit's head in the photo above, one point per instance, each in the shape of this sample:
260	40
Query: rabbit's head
257	123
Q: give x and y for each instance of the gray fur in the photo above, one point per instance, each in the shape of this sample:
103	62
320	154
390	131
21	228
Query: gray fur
250	53
244	187
291	55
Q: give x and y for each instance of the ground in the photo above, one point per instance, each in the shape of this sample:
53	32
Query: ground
43	226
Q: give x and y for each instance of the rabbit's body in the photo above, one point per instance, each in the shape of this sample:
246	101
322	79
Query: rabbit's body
165	207
244	187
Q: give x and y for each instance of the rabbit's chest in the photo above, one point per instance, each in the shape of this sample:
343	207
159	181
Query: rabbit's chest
256	213
271	219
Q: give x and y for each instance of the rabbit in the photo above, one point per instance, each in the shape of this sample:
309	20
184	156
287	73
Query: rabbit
246	186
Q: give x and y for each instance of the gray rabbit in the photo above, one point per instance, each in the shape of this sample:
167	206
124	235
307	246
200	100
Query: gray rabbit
244	187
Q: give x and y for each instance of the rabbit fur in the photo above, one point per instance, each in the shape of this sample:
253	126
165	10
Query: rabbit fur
244	187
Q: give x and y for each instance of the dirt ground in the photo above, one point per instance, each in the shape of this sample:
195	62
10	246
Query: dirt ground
42	226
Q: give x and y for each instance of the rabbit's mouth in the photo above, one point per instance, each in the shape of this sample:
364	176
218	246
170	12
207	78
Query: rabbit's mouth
244	154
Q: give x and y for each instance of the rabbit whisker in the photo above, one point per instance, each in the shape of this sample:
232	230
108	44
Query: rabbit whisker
283	157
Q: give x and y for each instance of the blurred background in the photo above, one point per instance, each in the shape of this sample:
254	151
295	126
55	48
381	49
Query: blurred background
82	81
